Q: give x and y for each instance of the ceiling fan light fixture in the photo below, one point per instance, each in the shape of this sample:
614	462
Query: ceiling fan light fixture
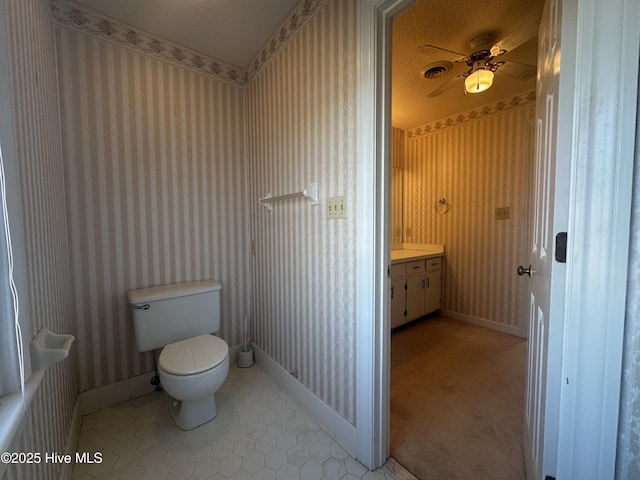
478	81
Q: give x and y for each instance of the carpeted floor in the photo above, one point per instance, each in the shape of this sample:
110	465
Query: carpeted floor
457	401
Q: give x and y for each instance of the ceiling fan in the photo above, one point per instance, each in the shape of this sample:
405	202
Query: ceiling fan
484	62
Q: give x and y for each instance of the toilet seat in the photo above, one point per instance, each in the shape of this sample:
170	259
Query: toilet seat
193	355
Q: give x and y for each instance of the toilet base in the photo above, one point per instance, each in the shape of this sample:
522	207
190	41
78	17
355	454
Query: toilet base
189	414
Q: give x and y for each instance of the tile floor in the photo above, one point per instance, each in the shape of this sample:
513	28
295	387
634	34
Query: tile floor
261	432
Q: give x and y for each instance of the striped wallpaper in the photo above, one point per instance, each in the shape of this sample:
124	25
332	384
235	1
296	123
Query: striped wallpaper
48	299
302	129
476	165
157	189
398	144
164	167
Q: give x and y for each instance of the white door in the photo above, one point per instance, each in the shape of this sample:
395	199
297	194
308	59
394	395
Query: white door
538	272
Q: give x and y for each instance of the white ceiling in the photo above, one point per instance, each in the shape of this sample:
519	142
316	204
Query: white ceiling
451	25
229	30
235	30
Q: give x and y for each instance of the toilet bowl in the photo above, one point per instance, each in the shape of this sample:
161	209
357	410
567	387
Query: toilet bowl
191	371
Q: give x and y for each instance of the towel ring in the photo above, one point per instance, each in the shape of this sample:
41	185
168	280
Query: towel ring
441	206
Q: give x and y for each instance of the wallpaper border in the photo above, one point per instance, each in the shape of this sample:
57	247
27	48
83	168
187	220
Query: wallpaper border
500	106
71	15
304	12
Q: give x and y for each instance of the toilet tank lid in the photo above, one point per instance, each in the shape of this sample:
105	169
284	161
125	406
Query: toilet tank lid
164	292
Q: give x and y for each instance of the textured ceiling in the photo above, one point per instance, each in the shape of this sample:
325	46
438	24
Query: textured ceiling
451	25
230	30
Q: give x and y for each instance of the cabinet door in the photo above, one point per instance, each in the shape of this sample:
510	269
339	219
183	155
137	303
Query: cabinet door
433	295
398	301
416	287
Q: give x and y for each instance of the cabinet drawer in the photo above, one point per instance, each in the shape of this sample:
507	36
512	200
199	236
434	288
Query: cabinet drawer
434	263
417	266
398	270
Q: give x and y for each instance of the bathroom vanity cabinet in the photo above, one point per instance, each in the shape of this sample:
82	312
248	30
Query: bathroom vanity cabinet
416	287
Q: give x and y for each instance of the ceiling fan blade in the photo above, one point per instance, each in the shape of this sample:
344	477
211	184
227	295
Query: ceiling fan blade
453	56
519	71
445	86
520	35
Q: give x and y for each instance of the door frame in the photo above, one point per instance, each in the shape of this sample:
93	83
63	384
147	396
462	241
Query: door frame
590	348
604	40
373	324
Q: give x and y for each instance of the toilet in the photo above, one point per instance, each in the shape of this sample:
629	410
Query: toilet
193	364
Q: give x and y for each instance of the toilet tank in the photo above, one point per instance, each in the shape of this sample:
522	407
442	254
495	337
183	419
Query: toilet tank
169	313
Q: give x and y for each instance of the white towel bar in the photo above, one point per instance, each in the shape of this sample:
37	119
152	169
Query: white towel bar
311	193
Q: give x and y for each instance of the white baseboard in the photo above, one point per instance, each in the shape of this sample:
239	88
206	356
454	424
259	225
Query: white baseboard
483	322
118	392
114	393
333	423
72	442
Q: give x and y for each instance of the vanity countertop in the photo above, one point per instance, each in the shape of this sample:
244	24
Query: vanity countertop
416	252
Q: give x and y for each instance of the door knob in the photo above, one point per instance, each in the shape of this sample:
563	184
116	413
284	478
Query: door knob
522	270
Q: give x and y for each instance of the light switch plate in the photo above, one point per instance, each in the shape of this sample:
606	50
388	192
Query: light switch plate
337	207
502	213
